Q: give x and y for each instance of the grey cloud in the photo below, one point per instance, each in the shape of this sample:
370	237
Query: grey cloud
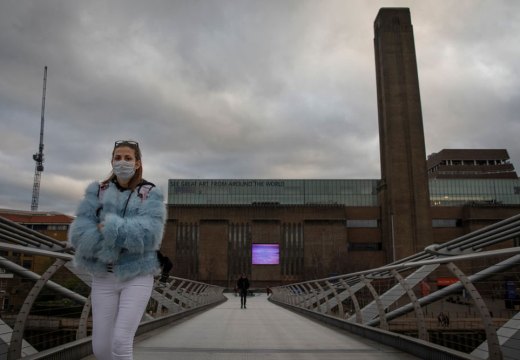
238	89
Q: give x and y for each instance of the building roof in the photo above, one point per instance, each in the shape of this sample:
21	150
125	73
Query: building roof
471	164
470	154
36	217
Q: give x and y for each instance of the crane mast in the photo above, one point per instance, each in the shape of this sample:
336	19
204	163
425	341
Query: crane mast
38	157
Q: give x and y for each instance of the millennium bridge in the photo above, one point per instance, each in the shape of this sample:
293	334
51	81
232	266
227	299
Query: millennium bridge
456	300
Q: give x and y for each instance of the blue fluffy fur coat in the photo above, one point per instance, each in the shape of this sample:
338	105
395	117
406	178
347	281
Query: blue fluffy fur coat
129	242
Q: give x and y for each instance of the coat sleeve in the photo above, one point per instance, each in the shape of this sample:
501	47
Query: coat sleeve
140	232
83	234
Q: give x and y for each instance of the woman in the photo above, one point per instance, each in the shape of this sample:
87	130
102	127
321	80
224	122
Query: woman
116	234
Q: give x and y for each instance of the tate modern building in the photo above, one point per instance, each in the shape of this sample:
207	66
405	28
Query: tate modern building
286	230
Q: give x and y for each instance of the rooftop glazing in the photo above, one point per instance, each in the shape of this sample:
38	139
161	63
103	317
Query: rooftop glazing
351	192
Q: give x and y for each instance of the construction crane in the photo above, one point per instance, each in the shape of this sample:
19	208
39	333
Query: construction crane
38	157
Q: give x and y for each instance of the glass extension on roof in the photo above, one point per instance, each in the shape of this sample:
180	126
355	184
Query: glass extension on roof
353	192
457	192
267	191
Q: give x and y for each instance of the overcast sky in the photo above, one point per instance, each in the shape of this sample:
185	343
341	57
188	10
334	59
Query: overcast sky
238	89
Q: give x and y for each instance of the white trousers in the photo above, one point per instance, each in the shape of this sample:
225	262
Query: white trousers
117	309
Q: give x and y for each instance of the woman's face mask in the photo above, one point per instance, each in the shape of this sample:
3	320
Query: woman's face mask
124	163
124	170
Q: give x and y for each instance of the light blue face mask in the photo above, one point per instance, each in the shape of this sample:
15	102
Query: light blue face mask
124	170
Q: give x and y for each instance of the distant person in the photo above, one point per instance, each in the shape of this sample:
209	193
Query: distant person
440	319
444	320
243	286
116	234
166	266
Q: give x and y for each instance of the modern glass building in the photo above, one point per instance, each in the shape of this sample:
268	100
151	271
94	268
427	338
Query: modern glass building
356	193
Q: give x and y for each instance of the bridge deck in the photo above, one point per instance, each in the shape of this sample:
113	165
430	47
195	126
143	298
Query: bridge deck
262	331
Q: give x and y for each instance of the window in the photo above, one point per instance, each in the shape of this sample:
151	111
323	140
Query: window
37	227
365	246
446	223
58	227
372	223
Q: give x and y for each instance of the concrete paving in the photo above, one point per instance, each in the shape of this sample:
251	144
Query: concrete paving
262	331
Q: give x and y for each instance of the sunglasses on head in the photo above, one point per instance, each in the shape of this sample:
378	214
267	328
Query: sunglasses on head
119	143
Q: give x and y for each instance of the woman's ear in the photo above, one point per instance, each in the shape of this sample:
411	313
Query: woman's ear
137	164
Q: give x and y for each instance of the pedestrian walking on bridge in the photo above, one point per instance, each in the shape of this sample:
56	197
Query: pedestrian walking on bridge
243	286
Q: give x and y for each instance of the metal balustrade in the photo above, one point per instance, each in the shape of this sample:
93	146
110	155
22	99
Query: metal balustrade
482	302
398	304
169	302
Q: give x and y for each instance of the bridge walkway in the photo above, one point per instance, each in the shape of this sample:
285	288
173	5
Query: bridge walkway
262	331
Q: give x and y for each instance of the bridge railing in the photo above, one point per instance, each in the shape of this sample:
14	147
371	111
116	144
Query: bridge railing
51	307
460	299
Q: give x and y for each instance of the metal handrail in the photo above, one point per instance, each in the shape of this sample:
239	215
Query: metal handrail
177	295
325	297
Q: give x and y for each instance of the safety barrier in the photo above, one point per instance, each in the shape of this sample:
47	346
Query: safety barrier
170	301
460	298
